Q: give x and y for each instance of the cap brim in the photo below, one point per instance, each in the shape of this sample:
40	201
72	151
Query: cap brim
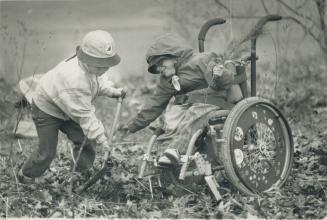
98	62
153	69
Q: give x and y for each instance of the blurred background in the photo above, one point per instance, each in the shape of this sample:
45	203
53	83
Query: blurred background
291	72
36	35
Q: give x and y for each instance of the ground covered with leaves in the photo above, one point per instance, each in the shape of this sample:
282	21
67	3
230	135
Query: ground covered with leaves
120	194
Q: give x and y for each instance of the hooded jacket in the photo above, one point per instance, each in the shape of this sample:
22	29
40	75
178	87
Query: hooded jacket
195	72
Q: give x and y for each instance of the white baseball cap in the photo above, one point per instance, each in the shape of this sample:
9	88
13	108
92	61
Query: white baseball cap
98	49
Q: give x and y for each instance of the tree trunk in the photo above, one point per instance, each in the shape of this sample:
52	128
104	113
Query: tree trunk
321	7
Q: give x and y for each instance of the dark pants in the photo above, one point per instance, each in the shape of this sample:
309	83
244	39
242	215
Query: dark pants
47	128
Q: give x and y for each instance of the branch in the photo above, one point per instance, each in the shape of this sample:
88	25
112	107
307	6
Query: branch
303	26
265	7
223	6
296	12
306	30
321	7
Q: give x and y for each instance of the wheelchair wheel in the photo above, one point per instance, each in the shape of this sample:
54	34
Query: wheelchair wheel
257	153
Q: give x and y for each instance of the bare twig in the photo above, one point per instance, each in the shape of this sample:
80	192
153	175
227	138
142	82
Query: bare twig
265	7
304	27
85	208
75	166
23	59
208	208
13	170
184	188
236	202
6	201
141	184
7	208
20	146
218	2
323	189
296	12
103	210
321	7
72	153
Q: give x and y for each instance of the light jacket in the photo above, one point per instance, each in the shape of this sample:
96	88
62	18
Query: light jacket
67	92
195	72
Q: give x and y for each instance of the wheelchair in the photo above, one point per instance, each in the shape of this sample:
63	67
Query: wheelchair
251	144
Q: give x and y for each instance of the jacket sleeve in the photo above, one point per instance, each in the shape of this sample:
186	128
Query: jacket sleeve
77	105
106	88
152	109
205	64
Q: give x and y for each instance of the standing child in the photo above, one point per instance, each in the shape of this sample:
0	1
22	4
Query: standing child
63	102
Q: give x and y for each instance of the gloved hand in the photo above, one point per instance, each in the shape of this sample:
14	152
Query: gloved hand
106	147
123	128
123	92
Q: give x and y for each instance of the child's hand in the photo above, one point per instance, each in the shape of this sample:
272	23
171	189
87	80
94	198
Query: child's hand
123	128
106	146
123	93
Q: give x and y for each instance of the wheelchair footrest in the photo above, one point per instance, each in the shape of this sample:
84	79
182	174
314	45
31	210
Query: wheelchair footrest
213	185
157	177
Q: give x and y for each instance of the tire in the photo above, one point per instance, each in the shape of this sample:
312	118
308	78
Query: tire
257	152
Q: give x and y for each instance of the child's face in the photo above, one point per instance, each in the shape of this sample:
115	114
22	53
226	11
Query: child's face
167	67
98	71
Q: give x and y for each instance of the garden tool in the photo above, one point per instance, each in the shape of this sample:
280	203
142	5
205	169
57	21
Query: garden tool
104	168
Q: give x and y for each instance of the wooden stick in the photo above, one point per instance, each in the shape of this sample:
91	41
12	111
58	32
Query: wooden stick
102	171
73	177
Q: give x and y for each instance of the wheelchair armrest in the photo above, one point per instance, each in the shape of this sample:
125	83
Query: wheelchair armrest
216	120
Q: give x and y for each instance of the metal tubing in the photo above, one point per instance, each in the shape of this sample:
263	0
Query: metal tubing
147	155
204	29
189	152
253	67
258	27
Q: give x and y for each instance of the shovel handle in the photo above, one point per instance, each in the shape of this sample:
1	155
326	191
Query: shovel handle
112	130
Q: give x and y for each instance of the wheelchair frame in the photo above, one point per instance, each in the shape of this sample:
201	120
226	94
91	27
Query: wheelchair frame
220	132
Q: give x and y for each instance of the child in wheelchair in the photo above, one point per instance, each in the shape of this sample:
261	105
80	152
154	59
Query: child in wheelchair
199	82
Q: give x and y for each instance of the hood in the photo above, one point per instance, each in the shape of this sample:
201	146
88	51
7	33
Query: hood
168	45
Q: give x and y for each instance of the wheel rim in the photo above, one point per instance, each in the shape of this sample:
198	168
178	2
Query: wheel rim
260	148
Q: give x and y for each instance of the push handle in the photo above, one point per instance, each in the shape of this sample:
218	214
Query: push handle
258	28
259	25
274	17
204	29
